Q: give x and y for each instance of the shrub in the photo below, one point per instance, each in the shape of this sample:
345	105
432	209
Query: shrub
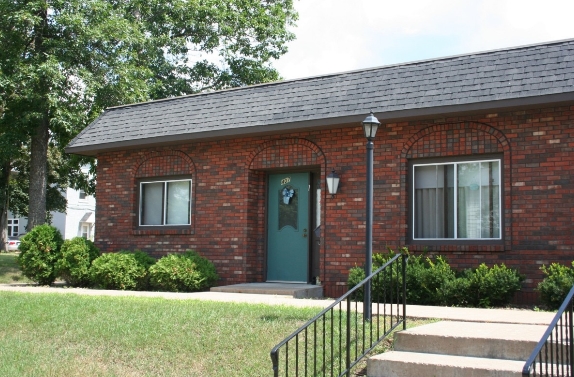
141	257
426	279
356	275
456	292
117	271
431	281
188	272
76	257
556	285
381	285
39	251
146	262
483	287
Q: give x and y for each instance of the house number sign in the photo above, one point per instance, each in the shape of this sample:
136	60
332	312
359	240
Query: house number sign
284	181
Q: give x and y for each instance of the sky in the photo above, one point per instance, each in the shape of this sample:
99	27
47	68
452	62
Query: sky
344	35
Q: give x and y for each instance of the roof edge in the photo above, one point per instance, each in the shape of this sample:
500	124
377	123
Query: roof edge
391	116
414	62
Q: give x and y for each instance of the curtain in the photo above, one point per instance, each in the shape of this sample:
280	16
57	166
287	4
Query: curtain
178	200
152	203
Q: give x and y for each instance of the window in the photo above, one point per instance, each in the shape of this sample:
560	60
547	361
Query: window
457	200
85	230
165	203
82	195
13	227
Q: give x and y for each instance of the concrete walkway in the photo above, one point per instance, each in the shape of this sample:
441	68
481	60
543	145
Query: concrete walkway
413	311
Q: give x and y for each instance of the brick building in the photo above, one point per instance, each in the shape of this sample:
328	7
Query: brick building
474	160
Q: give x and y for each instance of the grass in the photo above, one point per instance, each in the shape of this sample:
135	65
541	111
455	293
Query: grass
69	335
9	269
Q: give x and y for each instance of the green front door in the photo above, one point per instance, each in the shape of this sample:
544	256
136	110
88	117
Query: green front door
288	228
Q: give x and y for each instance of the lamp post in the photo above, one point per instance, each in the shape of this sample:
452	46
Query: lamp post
370	127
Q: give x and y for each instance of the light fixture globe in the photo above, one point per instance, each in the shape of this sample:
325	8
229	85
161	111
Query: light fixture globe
370	126
333	182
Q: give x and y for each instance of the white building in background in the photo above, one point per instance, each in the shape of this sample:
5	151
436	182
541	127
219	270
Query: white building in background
78	221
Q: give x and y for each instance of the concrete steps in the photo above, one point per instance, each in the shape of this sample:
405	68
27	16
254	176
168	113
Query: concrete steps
458	349
295	290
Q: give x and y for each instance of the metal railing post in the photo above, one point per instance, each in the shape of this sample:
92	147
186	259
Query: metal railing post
348	342
571	336
404	265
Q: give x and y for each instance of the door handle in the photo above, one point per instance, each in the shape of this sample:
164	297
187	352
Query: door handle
305	233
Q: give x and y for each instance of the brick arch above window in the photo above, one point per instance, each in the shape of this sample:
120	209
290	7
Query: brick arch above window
164	163
455	139
283	153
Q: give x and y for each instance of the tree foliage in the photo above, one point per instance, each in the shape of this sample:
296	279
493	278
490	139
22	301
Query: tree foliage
63	62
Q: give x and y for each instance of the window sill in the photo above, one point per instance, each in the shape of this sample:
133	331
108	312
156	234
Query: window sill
161	231
456	247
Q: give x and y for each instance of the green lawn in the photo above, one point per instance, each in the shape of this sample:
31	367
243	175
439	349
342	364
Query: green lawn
9	270
70	335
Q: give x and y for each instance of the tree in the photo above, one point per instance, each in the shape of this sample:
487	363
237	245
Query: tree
63	62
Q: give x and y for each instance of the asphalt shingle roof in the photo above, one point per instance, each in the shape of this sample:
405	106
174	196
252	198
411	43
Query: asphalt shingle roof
542	73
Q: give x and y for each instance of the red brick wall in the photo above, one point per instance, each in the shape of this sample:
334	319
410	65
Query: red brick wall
229	181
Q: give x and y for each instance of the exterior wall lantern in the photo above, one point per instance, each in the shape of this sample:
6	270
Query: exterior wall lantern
370	126
333	183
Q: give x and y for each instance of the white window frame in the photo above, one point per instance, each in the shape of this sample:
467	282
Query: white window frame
456	162
13	224
85	227
164	203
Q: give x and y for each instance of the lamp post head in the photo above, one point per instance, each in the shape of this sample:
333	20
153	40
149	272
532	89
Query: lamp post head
370	126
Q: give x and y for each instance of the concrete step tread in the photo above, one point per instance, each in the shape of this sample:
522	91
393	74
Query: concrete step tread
477	330
488	340
480	315
406	364
295	290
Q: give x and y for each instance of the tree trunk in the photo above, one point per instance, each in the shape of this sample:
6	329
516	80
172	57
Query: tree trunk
4	201
40	138
38	175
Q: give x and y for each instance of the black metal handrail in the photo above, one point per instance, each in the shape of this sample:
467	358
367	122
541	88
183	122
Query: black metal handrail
554	354
335	340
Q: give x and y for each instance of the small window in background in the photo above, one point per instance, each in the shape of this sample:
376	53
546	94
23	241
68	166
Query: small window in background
85	231
13	227
82	195
458	200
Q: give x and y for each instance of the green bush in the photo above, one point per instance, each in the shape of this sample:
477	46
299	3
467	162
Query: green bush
117	271
39	251
142	257
426	279
456	292
483	287
556	285
188	272
381	285
76	257
431	281
356	275
146	262
493	286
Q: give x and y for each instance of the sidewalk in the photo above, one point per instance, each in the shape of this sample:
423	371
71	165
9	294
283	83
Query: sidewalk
413	311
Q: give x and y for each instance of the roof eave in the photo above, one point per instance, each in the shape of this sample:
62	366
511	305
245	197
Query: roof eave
389	116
